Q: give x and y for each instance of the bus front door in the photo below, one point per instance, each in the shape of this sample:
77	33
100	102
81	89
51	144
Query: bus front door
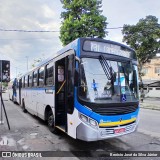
64	91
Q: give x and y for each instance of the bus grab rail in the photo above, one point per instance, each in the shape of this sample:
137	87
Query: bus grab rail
61	87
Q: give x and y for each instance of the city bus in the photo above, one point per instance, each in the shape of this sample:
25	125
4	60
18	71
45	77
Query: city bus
89	90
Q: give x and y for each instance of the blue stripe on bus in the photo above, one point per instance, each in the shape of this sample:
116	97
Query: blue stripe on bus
78	48
53	88
115	118
99	117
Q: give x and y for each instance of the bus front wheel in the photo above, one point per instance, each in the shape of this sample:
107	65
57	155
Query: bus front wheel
50	121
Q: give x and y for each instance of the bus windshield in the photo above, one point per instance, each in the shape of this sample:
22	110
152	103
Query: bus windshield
113	82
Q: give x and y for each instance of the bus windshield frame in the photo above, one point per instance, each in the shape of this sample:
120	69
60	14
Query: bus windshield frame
120	86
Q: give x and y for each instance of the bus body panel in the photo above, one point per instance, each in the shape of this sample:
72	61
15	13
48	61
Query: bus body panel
73	122
87	133
37	99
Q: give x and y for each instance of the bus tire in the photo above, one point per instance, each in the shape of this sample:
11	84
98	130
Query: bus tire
50	122
23	107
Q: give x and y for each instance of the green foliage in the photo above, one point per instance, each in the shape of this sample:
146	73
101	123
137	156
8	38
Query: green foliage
82	19
36	61
4	84
144	38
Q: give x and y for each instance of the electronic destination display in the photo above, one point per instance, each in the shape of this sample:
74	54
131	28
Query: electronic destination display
109	48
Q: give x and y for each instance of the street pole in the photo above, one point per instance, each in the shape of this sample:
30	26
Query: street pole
2	103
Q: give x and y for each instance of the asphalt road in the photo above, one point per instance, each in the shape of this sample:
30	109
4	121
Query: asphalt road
29	133
149	122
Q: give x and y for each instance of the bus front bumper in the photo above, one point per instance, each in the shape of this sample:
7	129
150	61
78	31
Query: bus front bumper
87	133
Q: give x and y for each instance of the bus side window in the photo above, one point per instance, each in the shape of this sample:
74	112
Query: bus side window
41	77
23	82
26	81
49	76
35	78
17	85
20	83
30	80
60	73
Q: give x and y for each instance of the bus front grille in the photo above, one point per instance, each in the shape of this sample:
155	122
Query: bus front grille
116	110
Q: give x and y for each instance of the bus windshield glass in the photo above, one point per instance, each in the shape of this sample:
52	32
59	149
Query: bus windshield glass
108	81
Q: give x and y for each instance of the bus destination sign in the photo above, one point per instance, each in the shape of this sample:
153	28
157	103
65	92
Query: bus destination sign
109	48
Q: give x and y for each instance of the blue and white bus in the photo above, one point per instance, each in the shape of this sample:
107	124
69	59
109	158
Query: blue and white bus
89	90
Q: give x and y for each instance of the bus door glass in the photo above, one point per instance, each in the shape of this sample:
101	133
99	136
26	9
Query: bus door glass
70	83
64	87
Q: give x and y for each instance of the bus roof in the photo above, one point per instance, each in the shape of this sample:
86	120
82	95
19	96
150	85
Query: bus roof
74	45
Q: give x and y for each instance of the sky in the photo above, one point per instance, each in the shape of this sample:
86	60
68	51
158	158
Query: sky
42	15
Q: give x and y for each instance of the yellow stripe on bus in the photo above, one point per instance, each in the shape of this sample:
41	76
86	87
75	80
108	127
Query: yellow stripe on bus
110	124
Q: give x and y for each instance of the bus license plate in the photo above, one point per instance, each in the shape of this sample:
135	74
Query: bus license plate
119	130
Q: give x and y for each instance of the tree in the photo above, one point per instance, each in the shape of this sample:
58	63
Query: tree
36	61
144	38
82	19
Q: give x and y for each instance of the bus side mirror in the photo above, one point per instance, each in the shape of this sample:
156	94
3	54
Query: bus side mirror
76	73
77	59
134	77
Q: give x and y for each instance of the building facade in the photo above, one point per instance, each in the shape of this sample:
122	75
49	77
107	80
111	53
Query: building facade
151	78
151	70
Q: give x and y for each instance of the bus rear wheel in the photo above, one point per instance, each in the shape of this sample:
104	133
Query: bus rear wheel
50	121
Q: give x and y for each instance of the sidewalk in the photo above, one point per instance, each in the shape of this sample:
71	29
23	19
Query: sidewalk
30	134
151	103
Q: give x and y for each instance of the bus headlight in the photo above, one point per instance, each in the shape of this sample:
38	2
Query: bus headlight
88	120
93	122
83	118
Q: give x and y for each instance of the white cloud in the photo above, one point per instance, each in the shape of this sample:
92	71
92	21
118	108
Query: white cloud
45	15
48	12
120	12
28	15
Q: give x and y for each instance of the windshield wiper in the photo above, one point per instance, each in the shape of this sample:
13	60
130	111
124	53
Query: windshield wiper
107	69
109	72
